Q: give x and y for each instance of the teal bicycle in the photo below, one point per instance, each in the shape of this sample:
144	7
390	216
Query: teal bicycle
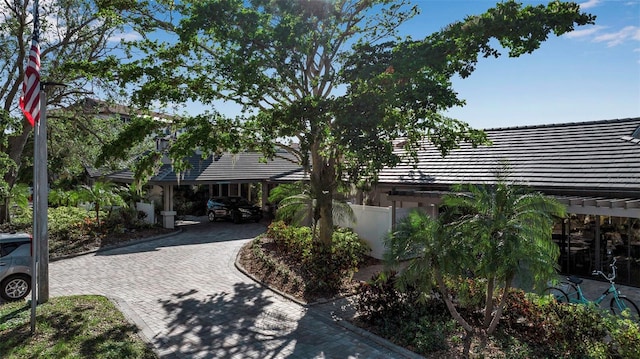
570	292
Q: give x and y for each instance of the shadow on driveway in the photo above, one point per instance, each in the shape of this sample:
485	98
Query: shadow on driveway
247	323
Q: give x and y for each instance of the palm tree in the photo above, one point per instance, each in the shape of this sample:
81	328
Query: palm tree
300	207
490	232
101	194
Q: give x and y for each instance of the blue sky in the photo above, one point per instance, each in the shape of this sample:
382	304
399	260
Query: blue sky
590	74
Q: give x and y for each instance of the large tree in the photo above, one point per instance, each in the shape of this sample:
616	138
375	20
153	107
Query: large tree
74	35
332	75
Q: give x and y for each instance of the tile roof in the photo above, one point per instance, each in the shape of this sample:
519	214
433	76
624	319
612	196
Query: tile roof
241	167
601	157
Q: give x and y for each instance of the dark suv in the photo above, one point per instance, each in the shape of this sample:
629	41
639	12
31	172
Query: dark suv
236	209
15	265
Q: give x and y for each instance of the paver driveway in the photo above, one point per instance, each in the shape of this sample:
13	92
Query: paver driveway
191	302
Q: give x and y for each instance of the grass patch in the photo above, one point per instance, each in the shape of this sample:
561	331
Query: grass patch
69	327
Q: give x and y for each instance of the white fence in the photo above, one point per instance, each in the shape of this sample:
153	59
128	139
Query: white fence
147	208
373	224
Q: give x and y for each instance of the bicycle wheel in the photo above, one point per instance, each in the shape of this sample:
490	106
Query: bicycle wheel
570	290
618	305
557	294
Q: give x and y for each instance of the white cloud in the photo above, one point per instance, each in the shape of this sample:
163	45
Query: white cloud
589	4
128	36
584	32
616	38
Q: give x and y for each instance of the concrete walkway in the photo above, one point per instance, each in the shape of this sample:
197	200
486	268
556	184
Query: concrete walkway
190	301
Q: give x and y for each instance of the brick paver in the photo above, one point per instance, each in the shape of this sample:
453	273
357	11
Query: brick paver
190	301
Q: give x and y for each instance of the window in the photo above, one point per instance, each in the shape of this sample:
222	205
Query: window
7	248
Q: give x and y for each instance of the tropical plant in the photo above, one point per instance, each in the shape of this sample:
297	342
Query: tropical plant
19	196
301	208
62	197
491	232
101	194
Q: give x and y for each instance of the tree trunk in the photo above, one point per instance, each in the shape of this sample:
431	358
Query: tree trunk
488	304
454	312
496	318
452	309
323	180
4	211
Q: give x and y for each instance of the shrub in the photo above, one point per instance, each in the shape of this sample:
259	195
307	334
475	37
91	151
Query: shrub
407	318
348	249
328	267
625	335
531	327
567	330
295	241
325	268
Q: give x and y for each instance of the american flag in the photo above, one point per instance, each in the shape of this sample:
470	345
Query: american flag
30	101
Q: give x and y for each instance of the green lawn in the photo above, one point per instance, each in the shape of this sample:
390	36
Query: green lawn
69	327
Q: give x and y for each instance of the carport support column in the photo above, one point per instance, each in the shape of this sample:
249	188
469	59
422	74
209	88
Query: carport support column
168	215
267	210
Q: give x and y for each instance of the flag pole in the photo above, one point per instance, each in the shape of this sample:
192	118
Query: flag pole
40	151
39	226
31	104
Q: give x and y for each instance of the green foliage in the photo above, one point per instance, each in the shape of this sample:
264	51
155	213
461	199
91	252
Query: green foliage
73	229
63	219
562	330
347	248
81	38
469	293
626	334
285	190
509	227
295	241
101	194
6	166
298	206
325	267
19	196
134	133
406	317
284	61
532	327
62	197
488	233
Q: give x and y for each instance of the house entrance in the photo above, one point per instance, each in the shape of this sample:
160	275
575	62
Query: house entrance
590	242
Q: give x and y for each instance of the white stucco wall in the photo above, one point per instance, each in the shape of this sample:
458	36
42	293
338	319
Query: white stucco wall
147	208
373	224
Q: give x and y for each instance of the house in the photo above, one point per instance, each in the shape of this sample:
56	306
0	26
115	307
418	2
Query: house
591	167
226	174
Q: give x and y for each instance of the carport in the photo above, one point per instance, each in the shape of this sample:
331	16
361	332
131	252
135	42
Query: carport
226	175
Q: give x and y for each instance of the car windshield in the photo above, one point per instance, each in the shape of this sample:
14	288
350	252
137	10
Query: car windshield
238	201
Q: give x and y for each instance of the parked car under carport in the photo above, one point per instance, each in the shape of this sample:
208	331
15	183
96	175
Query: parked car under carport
235	209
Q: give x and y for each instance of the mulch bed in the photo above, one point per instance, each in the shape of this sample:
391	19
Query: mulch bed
293	281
